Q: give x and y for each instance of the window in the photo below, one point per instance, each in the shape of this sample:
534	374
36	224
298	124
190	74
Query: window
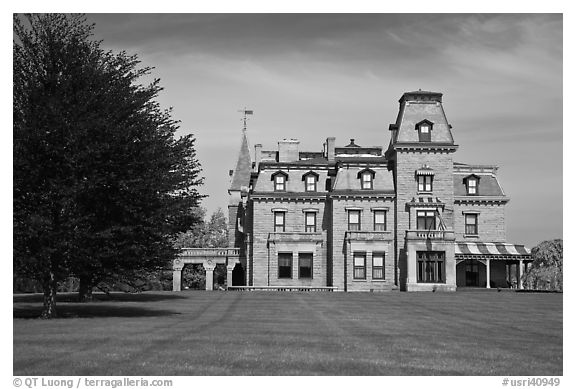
360	265
279	183
305	265
284	265
279	221
366	180
425	220
378	266
472	187
310	182
425	183
379	220
310	221
471	224
430	266
424	131
354	220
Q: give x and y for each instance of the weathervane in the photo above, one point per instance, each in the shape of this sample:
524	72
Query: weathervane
245	112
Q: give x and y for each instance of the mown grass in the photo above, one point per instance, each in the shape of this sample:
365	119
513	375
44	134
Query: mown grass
275	333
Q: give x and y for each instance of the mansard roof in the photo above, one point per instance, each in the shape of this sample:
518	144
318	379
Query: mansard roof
415	107
361	160
347	179
303	163
241	174
488	184
421	95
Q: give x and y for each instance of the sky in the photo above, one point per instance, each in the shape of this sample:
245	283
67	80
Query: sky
311	76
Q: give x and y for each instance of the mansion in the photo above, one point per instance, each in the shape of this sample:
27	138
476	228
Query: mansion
371	218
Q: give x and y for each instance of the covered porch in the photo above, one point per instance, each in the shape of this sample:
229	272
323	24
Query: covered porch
491	265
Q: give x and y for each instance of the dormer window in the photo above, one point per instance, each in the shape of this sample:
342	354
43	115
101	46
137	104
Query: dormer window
279	179
366	178
424	129
471	183
280	183
310	181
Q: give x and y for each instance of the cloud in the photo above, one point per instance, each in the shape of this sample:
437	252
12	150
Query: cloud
316	75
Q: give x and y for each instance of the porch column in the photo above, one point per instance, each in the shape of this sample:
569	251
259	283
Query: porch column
229	270
488	273
209	267
520	273
177	267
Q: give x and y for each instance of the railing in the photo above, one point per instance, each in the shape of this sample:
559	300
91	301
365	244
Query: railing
287	288
295	237
368	235
430	234
210	252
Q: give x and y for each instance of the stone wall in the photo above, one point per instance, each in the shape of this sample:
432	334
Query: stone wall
342	250
265	253
406	164
491	222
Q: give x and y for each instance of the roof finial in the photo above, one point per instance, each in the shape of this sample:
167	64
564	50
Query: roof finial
245	119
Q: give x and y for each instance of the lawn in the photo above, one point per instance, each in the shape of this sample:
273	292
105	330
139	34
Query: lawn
283	333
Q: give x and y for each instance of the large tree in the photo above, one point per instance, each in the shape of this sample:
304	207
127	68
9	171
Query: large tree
546	272
101	183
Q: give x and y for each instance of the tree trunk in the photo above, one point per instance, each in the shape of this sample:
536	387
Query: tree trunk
85	289
50	288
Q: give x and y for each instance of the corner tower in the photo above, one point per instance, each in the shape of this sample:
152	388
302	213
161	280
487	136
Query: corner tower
238	192
420	156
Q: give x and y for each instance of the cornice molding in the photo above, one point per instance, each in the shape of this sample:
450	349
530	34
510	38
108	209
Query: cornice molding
481	199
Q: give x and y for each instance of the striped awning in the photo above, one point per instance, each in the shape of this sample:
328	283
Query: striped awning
491	249
425	172
426	201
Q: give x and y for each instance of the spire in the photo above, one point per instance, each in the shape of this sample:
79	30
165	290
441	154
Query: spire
241	174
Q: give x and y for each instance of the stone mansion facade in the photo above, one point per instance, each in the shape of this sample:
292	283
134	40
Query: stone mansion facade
357	218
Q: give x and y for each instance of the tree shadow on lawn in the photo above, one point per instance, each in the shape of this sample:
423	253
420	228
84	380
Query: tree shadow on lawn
70	311
114	296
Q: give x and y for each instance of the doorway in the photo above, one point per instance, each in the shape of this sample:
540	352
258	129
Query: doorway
472	273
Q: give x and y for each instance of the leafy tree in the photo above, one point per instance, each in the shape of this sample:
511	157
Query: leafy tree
211	233
546	270
101	184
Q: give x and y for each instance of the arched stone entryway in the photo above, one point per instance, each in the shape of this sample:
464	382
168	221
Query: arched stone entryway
209	258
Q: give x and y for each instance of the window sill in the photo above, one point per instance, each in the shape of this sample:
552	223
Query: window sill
358	280
471	236
425	193
431	282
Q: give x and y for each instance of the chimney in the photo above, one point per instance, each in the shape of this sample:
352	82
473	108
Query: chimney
257	155
331	149
288	150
